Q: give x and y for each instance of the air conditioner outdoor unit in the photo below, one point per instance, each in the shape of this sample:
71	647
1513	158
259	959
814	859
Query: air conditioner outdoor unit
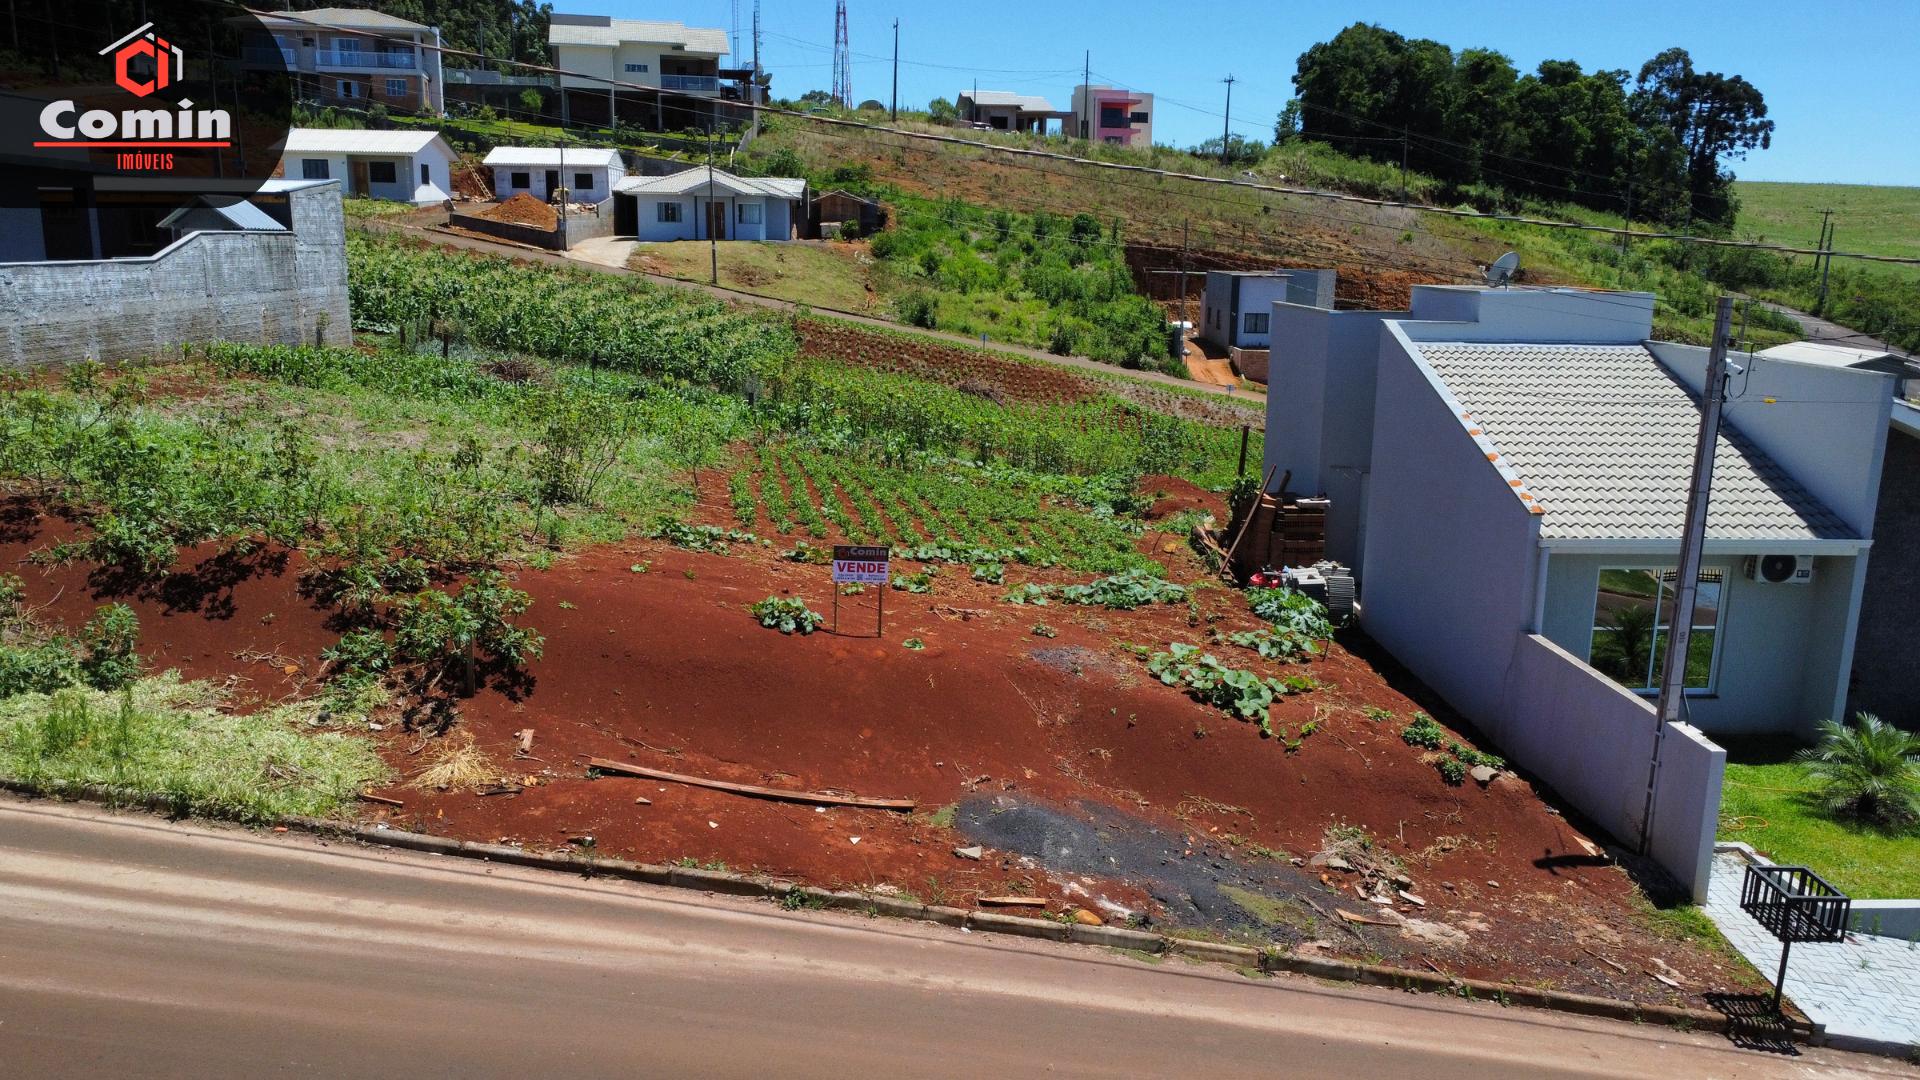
1780	569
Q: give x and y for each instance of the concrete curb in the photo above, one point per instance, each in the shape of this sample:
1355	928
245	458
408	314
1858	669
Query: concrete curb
875	905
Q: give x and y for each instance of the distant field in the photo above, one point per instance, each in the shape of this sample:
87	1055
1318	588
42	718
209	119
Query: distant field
1867	218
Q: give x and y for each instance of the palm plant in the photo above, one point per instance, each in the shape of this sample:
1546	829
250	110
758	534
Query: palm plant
1868	770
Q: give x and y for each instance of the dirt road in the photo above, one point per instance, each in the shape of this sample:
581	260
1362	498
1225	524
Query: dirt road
130	946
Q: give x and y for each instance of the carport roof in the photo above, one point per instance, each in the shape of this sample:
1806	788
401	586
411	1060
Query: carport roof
1601	438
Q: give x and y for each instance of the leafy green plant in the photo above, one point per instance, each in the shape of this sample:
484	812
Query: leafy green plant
1235	691
1291	611
1451	770
108	641
787	614
992	573
1041	629
1424	733
1376	714
921	582
705	538
1029	593
914	643
1868	770
1124	592
1274	643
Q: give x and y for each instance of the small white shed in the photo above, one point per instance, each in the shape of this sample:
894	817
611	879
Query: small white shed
700	202
588	173
404	166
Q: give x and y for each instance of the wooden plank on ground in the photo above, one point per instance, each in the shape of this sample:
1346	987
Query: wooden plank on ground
819	798
1015	901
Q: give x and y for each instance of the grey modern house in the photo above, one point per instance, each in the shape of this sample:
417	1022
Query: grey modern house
1236	306
1508	469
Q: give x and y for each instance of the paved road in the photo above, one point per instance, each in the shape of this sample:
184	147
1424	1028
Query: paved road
134	947
601	256
1814	328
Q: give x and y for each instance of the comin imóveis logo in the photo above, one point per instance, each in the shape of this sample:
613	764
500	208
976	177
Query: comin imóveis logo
144	63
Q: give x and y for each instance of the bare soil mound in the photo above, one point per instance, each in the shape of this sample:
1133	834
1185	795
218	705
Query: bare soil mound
523	209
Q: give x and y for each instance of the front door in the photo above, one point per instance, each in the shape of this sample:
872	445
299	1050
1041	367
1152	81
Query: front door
553	182
717	220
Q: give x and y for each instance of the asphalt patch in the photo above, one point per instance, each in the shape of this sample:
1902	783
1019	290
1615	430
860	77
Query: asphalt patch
1197	883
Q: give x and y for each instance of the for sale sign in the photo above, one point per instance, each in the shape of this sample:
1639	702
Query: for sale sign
866	565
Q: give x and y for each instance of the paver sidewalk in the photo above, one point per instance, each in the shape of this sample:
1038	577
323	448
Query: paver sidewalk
1865	990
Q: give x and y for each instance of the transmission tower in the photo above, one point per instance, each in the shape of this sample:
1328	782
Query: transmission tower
734	37
842	57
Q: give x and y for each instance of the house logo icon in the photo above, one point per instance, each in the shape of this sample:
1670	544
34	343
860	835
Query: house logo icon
141	49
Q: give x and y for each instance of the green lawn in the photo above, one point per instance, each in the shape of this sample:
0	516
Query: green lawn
820	275
1766	803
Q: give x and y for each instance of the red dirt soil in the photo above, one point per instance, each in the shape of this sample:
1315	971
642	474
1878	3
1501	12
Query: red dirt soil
666	668
523	209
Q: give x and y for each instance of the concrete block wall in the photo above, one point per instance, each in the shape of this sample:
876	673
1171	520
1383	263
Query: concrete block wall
1884	650
285	288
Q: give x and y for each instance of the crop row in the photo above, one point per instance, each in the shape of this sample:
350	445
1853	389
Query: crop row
835	494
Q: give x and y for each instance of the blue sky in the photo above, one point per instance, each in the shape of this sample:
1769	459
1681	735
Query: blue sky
1836	73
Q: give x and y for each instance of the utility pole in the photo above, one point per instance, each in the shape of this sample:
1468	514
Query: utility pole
1086	95
1226	128
1404	137
713	242
1686	589
1183	278
893	102
1826	245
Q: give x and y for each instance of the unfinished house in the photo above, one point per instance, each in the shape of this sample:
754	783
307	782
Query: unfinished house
1113	116
668	74
1236	311
588	174
1002	110
1506	472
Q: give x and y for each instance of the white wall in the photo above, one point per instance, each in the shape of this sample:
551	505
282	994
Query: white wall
295	168
1826	426
599	191
1592	743
1449	550
651	228
1534	316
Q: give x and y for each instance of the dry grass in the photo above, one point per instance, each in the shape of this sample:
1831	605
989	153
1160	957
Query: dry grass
458	765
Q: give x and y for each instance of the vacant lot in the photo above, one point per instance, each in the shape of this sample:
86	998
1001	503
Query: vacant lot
547	518
823	274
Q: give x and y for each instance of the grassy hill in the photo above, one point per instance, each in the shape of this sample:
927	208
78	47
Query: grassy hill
1867	217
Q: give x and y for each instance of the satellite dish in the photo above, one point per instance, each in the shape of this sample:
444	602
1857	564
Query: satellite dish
1503	269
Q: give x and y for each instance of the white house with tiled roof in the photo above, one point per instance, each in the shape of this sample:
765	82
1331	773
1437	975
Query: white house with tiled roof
1508	470
703	202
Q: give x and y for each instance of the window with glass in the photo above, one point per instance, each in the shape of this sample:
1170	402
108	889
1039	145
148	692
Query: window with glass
669	212
396	87
380	172
1254	322
314	169
1632	617
637	69
748	213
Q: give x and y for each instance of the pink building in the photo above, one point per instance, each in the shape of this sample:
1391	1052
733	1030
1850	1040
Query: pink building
1108	115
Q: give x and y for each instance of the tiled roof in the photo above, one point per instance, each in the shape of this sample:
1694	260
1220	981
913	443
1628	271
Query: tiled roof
687	180
693	38
586	157
1601	437
357	141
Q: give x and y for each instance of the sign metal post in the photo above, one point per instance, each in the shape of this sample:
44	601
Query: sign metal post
864	566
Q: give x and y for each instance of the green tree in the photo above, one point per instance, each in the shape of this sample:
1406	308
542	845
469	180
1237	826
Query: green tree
1711	117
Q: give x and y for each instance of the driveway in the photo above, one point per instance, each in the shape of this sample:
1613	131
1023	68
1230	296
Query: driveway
604	251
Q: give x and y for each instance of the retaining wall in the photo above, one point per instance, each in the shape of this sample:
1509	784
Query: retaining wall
270	287
579	227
